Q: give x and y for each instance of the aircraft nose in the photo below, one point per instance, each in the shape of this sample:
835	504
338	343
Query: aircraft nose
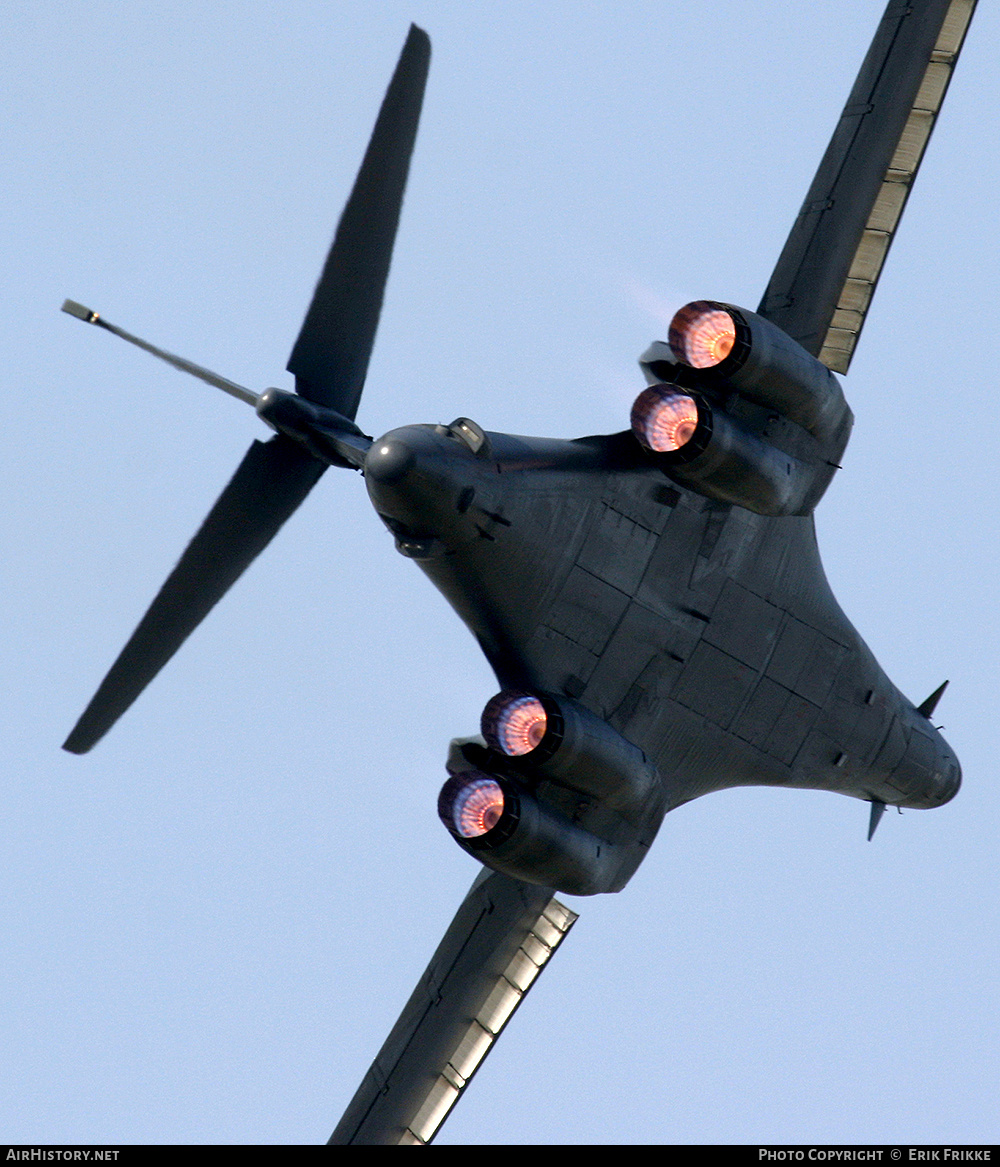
389	461
954	778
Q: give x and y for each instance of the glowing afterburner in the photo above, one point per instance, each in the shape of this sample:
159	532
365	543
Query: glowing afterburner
702	335
664	419
477	806
514	723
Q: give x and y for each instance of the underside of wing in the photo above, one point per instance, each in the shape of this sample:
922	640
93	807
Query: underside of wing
500	939
823	283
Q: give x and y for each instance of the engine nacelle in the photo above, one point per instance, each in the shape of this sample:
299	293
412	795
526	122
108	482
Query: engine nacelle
708	450
557	739
730	346
507	828
518	797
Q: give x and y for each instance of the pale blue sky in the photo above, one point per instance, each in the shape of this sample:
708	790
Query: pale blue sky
211	921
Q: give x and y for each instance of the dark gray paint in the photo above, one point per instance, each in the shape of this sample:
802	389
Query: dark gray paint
689	616
809	277
728	661
492	922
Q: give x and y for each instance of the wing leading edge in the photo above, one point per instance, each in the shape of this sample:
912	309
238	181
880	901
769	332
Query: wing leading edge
824	279
499	941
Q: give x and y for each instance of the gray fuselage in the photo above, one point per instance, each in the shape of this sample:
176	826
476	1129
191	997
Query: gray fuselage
704	633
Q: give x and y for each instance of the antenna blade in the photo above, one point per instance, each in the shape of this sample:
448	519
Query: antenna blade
331	354
825	277
270	482
223	383
499	941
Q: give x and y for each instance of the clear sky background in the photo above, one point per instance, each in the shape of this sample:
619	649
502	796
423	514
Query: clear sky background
211	922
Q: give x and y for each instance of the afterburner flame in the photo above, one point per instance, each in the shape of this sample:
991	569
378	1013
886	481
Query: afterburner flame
702	336
514	723
477	807
663	419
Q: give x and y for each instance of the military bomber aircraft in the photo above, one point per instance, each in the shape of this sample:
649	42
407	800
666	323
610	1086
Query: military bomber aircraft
652	601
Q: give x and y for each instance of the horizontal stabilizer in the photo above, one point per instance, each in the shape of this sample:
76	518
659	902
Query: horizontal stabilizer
500	939
330	357
270	482
824	280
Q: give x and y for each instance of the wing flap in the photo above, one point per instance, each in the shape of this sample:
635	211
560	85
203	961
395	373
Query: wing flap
501	938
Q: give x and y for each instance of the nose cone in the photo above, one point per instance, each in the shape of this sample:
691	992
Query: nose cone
947	772
929	769
953	776
389	461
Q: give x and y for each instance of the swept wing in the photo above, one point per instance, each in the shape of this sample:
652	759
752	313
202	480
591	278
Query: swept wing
823	283
499	941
